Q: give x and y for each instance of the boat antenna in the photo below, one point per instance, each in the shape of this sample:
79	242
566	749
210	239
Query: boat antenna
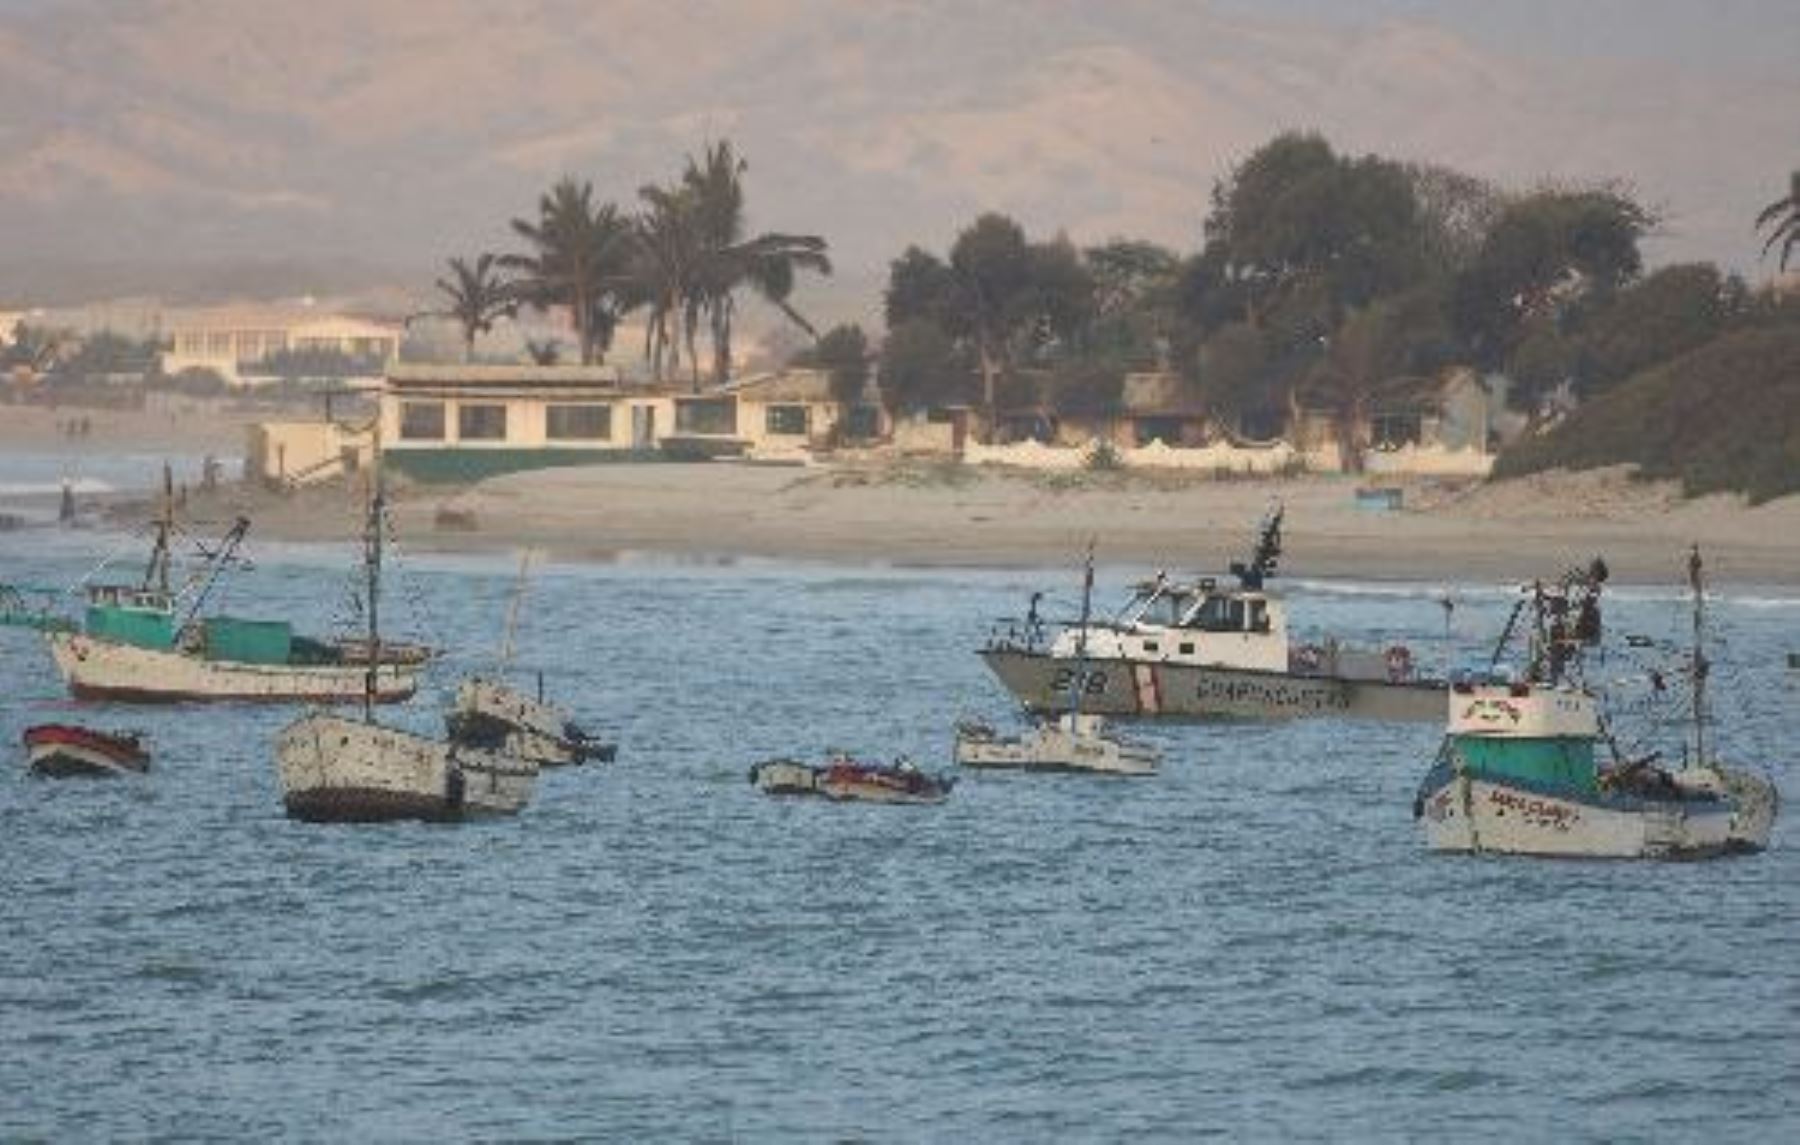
372	573
156	572
1266	554
1078	682
1700	665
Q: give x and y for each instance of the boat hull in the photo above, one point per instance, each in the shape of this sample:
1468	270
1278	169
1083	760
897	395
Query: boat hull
1468	814
1755	802
106	670
341	770
1126	688
63	750
1053	749
490	715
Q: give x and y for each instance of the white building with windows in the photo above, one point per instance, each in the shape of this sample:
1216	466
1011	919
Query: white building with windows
235	341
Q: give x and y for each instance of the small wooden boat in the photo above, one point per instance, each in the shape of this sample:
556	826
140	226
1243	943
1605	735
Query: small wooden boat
67	749
900	782
785	777
1073	742
845	779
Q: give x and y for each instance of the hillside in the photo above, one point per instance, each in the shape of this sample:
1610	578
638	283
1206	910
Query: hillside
1725	417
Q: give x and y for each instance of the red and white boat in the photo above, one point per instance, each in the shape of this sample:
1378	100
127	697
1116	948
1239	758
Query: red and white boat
68	749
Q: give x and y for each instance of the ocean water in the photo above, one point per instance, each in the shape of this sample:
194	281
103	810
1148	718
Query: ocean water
1253	944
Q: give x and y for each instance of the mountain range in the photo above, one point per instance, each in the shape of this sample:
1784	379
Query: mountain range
213	147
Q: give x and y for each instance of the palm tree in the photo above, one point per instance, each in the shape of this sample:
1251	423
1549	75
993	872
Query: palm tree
727	261
665	274
477	297
1782	217
583	259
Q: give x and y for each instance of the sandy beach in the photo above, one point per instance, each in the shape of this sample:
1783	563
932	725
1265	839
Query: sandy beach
935	514
939	515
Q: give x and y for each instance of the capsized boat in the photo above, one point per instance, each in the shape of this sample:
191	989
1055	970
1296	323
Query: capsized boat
1524	767
146	641
62	750
491	714
334	768
1073	741
846	779
1207	649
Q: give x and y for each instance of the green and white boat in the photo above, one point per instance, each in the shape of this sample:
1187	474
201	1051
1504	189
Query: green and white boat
146	641
1528	767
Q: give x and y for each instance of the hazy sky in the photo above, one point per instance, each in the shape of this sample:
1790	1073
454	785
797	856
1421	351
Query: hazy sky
355	140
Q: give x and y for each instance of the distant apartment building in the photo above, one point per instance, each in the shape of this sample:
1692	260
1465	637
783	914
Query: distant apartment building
238	343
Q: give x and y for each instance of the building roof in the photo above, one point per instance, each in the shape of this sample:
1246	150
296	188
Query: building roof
440	375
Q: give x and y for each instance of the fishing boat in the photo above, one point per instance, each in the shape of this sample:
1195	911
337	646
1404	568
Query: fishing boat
1207	649
490	713
71	750
1528	766
1754	799
846	779
1074	741
147	641
340	769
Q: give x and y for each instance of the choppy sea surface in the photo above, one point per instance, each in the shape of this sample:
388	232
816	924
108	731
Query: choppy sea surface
1254	944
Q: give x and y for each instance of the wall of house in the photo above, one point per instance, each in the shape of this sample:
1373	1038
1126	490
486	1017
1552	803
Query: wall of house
1429	461
303	452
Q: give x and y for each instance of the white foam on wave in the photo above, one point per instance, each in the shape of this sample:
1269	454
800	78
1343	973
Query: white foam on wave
80	485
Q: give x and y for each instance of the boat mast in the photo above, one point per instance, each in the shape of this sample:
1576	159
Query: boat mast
372	572
156	573
512	611
1078	682
1700	666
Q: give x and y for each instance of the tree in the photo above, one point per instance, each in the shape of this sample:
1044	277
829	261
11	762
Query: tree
728	261
920	285
992	267
583	258
1295	213
1546	251
1654	320
1782	218
1364	356
478	295
1134	285
920	368
843	353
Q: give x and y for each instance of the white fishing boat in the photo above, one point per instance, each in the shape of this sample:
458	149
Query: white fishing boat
1207	649
1522	770
148	642
1074	741
1754	798
339	769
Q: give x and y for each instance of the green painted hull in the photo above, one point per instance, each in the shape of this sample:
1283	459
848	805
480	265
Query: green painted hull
1565	764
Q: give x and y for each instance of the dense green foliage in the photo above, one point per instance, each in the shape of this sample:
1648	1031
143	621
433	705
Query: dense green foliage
1725	416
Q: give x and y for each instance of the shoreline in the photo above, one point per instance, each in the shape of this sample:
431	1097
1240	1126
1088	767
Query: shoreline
934	517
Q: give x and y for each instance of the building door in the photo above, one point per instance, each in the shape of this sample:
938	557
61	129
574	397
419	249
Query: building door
643	427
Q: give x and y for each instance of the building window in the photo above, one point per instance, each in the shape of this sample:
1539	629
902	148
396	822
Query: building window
706	415
862	422
578	423
481	423
794	421
421	421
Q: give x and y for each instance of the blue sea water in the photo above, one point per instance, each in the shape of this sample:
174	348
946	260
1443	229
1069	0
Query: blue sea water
1253	944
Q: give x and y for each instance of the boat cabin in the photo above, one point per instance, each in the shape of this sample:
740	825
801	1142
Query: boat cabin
1202	623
